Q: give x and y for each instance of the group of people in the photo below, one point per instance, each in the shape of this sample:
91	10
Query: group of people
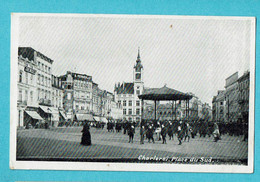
182	129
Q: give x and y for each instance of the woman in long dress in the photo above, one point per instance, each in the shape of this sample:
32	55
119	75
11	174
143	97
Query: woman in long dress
216	132
86	137
181	132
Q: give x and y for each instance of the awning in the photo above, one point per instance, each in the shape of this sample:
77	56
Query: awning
46	109
97	118
55	117
104	120
34	115
84	117
63	114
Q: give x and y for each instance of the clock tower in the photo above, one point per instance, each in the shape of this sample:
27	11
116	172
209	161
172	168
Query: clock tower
138	70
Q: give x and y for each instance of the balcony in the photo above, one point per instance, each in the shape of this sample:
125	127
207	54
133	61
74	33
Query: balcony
46	102
21	102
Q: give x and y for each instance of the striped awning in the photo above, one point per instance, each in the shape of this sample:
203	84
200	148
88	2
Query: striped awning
104	120
84	117
97	118
62	113
46	109
34	115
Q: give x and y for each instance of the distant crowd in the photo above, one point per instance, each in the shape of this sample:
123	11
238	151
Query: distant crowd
183	130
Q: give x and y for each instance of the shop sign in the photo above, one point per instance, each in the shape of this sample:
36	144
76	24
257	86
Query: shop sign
30	70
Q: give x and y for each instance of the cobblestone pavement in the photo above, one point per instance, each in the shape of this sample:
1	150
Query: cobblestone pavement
65	143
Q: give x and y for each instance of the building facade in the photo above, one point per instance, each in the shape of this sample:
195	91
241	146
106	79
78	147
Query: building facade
77	93
95	100
231	98
126	93
27	86
218	107
34	85
57	92
243	96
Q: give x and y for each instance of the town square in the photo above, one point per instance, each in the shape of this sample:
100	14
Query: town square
100	89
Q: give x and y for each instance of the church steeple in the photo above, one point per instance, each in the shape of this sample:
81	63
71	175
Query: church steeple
138	56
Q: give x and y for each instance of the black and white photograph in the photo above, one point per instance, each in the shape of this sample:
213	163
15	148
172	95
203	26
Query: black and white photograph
132	92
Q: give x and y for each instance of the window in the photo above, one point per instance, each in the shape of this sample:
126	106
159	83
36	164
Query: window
130	103
137	111
130	111
38	94
31	78
38	79
82	108
20	76
221	103
42	80
26	95
137	103
124	111
31	96
119	102
46	81
124	103
20	97
137	92
26	77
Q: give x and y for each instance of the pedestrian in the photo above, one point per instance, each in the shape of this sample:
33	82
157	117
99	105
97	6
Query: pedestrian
188	132
163	133
142	133
131	133
150	131
170	130
159	130
86	137
216	132
180	132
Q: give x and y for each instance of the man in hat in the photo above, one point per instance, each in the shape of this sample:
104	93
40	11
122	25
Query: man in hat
131	133
163	133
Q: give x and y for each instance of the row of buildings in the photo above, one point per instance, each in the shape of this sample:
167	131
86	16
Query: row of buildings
232	103
44	97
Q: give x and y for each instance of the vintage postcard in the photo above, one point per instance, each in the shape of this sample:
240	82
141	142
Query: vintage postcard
132	93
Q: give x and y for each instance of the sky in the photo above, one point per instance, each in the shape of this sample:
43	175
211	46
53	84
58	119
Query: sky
190	55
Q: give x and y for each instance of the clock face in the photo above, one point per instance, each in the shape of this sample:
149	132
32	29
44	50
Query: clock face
138	76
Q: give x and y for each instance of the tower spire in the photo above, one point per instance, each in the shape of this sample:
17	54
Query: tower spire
138	56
